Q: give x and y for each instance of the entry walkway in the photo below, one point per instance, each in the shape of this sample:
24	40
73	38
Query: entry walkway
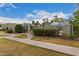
56	47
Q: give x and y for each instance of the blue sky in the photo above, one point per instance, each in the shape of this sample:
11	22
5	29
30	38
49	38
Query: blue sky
35	10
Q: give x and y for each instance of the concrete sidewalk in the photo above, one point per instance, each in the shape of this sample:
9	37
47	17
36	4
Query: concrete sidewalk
56	47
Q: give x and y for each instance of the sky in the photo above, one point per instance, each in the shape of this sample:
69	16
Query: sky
26	12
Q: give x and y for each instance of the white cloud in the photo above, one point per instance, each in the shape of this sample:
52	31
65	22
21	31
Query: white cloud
62	15
38	15
12	20
43	14
31	15
7	4
12	5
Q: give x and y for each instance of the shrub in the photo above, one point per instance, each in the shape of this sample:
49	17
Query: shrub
45	32
9	31
72	36
3	29
18	28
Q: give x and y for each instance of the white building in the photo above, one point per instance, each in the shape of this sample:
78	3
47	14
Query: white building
11	26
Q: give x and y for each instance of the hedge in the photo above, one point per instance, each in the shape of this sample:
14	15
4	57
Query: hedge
72	36
46	32
9	31
19	28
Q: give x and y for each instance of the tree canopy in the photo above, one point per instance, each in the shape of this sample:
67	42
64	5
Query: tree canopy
75	22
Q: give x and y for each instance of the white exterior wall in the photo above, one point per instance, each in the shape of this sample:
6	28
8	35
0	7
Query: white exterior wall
67	29
9	26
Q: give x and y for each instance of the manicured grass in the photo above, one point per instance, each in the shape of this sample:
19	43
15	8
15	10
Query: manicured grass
2	31
2	35
21	35
13	48
57	41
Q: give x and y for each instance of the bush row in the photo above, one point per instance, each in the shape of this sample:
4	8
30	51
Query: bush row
71	36
45	32
9	31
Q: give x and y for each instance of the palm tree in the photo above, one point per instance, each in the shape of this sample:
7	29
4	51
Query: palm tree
43	22
61	20
56	19
33	22
47	22
37	23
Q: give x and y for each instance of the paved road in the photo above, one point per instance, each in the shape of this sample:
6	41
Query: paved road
56	47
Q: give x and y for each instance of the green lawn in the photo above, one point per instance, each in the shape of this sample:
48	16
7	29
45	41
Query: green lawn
57	41
2	35
2	31
23	35
13	48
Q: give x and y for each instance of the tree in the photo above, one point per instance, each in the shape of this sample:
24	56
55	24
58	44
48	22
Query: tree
61	20
33	22
19	28
51	21
37	23
75	22
0	25
45	21
56	19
